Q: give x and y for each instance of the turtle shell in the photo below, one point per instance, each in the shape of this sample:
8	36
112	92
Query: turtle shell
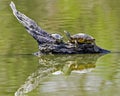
82	38
57	36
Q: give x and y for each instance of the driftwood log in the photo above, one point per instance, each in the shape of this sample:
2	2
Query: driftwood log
47	44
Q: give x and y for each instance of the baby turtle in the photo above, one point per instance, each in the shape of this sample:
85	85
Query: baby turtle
80	38
57	37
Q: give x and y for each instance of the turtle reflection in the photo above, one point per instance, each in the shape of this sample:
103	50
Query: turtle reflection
54	64
77	68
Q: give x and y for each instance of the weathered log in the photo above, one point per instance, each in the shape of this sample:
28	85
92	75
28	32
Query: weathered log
48	44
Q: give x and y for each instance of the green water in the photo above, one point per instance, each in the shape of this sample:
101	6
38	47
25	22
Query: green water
22	74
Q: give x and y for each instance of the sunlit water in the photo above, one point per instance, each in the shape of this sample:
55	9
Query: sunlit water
22	74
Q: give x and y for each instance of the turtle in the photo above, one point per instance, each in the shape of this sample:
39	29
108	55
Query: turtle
57	37
81	38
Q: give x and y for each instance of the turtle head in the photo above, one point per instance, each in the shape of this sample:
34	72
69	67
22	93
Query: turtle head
67	34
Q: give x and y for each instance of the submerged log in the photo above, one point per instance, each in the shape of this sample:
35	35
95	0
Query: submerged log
48	44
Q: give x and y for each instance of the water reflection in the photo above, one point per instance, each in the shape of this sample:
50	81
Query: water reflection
57	64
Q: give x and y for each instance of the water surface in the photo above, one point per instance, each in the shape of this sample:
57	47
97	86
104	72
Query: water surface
22	74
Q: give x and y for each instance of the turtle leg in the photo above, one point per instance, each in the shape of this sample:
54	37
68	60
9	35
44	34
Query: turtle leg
76	44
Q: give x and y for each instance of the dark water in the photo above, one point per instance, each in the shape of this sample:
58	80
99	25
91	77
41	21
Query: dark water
22	74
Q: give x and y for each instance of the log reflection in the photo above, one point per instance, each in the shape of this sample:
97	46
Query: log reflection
56	64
